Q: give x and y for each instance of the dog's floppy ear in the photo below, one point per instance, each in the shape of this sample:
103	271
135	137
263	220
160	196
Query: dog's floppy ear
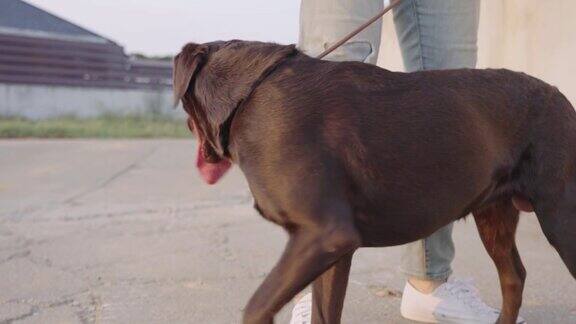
186	65
232	72
226	78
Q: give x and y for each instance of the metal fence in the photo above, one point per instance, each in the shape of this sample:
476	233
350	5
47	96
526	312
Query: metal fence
29	60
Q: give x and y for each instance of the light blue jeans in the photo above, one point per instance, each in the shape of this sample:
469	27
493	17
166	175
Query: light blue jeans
433	34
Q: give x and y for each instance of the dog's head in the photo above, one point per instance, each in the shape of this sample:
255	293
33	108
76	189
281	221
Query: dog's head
211	80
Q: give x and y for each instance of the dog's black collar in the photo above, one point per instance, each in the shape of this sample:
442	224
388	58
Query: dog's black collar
224	129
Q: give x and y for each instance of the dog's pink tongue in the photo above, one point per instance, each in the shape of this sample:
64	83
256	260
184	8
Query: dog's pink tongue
211	172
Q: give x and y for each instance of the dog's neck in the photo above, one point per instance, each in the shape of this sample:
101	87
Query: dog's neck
227	82
224	128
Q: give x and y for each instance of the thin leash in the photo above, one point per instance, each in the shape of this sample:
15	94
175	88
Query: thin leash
346	38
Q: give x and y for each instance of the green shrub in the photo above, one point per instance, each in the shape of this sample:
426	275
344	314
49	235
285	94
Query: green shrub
105	126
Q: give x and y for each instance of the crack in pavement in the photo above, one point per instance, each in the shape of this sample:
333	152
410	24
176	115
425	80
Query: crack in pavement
17	255
47	208
33	311
115	176
228	202
16	214
38	307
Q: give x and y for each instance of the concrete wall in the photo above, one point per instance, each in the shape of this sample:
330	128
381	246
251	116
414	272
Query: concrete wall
37	102
533	36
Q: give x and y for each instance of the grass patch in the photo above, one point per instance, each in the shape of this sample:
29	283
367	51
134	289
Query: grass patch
108	126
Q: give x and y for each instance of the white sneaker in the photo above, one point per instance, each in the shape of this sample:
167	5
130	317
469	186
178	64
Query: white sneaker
302	312
456	301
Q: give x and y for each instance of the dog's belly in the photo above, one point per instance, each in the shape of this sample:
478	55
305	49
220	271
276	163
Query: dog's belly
397	227
402	217
389	231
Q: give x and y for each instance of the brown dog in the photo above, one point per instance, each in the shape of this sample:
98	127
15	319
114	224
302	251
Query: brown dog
348	155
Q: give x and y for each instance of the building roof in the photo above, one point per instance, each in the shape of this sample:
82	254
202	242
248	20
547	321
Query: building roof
21	18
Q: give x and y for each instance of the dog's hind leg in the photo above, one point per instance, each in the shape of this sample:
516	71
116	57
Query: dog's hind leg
550	180
497	227
329	291
557	217
310	251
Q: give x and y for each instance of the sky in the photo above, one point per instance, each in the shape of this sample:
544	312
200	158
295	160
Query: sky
161	27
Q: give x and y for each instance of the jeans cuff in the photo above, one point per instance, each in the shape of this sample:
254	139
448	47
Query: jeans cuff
426	276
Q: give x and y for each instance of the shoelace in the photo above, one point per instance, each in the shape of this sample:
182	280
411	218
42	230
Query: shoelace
465	291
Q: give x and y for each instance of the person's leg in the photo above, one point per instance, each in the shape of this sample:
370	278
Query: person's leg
438	34
435	34
324	22
427	262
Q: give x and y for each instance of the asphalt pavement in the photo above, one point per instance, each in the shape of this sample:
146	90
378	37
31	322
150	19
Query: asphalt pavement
124	231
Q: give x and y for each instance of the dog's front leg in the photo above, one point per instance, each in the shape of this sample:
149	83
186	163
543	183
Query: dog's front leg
329	292
310	251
